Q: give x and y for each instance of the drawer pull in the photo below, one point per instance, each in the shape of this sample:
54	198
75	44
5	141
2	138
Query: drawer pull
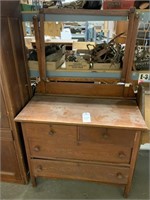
36	148
51	132
39	168
105	136
122	155
119	176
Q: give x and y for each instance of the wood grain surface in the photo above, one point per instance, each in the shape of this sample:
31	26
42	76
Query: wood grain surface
68	110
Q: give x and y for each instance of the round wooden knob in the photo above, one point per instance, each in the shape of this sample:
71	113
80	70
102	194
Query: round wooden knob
122	155
119	176
36	148
39	168
51	132
105	136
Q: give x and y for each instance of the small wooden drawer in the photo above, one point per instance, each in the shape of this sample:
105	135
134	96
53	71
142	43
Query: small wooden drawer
95	135
47	132
81	171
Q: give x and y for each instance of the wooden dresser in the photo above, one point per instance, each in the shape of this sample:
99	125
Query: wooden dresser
61	140
61	144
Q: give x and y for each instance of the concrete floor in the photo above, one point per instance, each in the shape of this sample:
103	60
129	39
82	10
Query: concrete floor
69	189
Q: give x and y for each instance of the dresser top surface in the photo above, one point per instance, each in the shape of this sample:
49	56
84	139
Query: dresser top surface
69	110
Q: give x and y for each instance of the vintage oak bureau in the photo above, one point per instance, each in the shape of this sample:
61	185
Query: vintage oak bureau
60	145
60	140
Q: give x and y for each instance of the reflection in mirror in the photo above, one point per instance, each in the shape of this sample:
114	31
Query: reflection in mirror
81	46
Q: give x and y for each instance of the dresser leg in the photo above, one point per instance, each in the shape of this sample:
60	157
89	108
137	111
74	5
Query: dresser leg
125	194
132	164
33	180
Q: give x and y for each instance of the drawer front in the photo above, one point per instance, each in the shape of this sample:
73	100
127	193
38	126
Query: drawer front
81	171
106	153
50	132
84	143
95	135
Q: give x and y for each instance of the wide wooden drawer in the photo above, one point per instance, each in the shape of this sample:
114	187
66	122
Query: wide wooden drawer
41	148
96	135
50	132
82	171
